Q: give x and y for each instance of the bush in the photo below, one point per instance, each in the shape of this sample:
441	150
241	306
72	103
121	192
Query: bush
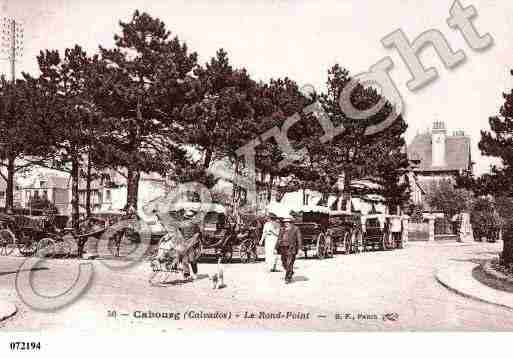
486	221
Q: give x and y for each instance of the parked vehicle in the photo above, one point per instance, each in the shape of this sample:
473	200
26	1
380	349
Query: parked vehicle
345	230
383	232
221	235
375	232
43	235
313	223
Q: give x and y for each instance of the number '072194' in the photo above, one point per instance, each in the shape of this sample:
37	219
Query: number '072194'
25	345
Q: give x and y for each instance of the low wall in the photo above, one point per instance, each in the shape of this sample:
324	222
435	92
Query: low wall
418	231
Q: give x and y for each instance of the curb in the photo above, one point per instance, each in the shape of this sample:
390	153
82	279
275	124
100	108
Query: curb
495	274
471	288
7	310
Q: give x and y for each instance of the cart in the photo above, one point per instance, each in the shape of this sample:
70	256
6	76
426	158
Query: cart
313	222
376	232
345	230
44	236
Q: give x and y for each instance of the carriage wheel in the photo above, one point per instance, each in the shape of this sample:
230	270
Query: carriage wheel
253	255
7	242
65	249
360	240
46	248
329	246
321	246
26	246
383	245
244	253
347	242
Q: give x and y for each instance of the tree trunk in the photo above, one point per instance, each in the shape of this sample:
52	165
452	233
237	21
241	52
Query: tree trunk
270	188
235	192
346	191
132	187
75	199
507	250
208	158
88	188
9	195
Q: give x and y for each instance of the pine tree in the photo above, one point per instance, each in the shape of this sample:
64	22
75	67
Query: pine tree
63	113
141	87
17	134
498	142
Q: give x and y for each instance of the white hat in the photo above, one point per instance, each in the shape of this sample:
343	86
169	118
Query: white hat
287	218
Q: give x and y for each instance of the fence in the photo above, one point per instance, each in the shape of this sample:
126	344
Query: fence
418	231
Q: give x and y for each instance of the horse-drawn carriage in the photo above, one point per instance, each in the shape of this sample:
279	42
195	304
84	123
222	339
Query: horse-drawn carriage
345	231
44	236
382	231
313	223
220	234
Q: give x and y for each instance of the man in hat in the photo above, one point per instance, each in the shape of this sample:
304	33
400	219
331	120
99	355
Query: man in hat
270	234
289	243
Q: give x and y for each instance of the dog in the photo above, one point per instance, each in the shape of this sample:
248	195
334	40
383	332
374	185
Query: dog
218	277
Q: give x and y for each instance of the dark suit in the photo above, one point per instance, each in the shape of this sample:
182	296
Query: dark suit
289	243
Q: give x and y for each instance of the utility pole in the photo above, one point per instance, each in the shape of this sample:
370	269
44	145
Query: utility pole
12	43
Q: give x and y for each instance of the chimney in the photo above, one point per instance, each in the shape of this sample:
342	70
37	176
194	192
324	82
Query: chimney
438	135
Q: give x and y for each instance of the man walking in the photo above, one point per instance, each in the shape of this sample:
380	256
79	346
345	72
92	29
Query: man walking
269	238
289	243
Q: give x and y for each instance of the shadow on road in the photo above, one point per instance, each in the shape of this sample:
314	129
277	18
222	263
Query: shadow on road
25	270
300	278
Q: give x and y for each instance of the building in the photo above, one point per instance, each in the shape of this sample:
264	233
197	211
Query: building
3	193
54	188
438	156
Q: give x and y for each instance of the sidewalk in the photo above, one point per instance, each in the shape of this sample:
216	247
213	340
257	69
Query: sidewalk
457	276
7	310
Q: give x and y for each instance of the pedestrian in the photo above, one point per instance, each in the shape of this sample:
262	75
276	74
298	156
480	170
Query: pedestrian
270	234
289	243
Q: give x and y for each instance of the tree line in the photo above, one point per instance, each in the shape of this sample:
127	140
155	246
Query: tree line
147	105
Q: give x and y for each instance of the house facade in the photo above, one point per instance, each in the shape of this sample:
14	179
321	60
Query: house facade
438	156
54	188
3	193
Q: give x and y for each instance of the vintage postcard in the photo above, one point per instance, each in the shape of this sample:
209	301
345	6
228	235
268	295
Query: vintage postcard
280	165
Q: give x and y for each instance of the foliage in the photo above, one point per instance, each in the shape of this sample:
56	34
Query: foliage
498	142
140	87
444	197
415	211
485	219
220	119
18	135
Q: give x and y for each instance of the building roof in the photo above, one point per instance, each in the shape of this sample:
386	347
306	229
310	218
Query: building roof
457	153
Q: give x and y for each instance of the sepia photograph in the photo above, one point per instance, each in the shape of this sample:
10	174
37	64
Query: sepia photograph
260	166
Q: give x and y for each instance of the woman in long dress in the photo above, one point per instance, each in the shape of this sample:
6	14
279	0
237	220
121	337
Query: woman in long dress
270	234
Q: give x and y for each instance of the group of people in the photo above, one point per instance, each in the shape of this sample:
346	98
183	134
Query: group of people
281	237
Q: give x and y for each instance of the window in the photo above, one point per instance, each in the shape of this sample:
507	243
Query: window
2	194
45	194
42	184
108	195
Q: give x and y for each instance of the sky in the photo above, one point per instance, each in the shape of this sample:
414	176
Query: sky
301	40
